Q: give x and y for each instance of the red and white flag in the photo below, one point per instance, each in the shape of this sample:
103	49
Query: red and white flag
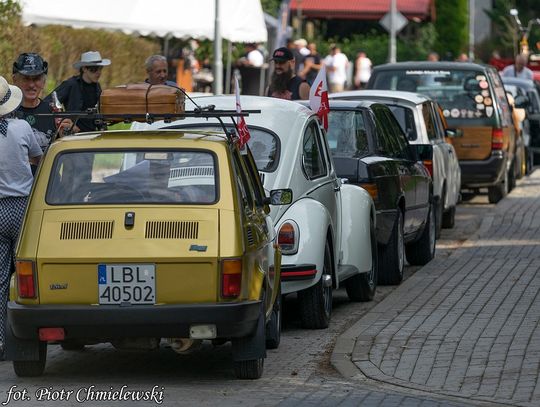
243	131
318	97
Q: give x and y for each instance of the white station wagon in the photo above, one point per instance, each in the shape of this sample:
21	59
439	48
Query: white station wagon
327	234
419	118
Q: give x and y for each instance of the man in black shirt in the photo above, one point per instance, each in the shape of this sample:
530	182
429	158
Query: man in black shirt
284	84
82	92
30	75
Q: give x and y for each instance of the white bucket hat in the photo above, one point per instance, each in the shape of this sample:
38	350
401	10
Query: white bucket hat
10	97
91	58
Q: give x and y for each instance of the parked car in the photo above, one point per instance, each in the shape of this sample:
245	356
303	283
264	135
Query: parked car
528	88
521	126
370	150
419	118
473	99
327	234
131	238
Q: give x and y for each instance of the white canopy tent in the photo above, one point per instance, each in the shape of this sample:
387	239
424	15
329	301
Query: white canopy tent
241	20
238	20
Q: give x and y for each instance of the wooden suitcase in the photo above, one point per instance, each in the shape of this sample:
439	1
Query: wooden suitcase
141	98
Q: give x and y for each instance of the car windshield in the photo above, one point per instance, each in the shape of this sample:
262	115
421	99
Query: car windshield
125	177
347	135
461	93
263	144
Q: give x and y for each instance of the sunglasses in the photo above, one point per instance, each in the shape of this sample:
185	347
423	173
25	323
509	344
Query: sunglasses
94	68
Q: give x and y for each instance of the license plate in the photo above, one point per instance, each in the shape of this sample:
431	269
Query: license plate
127	283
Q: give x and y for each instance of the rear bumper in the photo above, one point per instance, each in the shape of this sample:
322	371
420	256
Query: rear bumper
484	173
232	320
295	272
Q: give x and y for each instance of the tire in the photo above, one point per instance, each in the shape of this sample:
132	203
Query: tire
32	368
422	250
362	287
315	302
273	326
449	218
439	209
72	346
511	178
249	369
392	255
499	191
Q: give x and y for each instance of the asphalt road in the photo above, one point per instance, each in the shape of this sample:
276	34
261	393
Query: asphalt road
298	373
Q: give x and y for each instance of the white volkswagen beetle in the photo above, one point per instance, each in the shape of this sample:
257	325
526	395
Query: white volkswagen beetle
327	234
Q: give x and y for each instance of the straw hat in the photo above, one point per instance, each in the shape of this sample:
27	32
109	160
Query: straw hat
10	97
91	58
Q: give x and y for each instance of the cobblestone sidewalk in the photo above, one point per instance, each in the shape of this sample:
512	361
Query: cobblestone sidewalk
465	326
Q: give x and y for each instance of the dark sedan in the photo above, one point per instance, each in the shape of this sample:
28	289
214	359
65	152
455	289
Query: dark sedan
370	149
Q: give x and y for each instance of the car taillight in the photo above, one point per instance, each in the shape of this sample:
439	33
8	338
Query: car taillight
288	236
231	277
51	334
429	165
497	139
26	278
371	188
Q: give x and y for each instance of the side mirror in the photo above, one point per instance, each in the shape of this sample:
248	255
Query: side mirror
521	101
279	197
453	133
421	152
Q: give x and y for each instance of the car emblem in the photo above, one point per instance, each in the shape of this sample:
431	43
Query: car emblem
197	248
59	286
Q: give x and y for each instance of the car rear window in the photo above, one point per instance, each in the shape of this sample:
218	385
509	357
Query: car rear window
264	145
126	177
464	94
347	135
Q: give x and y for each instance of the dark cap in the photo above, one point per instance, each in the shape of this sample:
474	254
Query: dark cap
30	64
282	54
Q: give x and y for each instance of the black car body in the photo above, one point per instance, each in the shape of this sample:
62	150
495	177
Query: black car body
369	149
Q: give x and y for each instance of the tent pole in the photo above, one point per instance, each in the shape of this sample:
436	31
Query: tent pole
218	54
228	71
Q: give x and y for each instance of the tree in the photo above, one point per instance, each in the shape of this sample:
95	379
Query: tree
451	27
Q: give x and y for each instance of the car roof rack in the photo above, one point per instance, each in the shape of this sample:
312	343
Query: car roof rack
103	120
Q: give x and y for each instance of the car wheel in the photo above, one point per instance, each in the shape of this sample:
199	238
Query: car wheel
249	369
273	326
392	255
72	345
512	178
316	301
499	191
449	218
32	368
361	287
422	250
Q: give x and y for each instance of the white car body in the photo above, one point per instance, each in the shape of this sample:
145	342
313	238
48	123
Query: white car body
323	208
428	129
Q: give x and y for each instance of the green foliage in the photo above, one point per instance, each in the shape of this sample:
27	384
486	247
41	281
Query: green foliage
451	26
271	6
504	27
375	45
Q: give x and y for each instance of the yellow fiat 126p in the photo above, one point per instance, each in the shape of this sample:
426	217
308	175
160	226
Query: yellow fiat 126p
142	238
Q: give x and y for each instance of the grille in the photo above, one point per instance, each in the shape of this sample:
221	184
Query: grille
250	239
86	230
191	172
171	230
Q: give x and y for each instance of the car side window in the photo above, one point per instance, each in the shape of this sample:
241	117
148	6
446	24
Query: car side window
254	179
242	181
384	142
398	137
502	101
431	128
312	155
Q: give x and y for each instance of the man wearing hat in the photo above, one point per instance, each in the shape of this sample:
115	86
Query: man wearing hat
30	75
81	92
18	149
284	83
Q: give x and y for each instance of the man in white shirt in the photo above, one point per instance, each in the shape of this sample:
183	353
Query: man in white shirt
518	69
336	66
